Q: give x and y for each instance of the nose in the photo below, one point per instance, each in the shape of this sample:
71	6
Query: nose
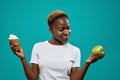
66	31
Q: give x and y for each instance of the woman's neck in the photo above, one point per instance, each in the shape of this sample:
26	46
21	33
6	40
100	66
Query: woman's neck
56	42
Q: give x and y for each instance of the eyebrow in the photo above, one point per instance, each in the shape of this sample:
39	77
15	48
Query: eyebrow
63	26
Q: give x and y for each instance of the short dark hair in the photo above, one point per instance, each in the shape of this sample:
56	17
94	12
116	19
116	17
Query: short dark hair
54	15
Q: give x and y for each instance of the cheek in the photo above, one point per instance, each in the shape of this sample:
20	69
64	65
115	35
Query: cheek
59	33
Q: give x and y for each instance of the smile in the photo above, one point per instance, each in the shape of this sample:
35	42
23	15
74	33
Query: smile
65	37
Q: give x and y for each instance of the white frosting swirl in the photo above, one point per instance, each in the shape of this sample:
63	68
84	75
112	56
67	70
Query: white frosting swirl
12	36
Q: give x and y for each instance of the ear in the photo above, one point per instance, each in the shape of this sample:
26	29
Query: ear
51	29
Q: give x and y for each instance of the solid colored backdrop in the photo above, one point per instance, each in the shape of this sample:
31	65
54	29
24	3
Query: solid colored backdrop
92	22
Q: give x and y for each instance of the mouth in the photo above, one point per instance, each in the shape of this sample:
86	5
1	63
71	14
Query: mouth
65	37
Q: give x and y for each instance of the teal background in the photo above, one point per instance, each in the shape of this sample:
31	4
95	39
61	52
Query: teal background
93	22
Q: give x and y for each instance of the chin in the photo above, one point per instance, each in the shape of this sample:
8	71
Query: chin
64	41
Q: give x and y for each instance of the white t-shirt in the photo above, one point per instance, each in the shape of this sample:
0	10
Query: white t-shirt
55	61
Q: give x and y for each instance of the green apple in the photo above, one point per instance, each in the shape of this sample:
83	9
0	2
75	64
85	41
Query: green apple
98	50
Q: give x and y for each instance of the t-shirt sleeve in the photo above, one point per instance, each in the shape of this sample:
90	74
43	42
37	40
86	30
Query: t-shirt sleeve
34	56
77	58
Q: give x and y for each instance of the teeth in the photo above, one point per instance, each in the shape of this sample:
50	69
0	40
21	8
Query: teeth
66	36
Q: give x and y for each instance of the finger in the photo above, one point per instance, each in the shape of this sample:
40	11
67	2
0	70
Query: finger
102	56
95	58
15	49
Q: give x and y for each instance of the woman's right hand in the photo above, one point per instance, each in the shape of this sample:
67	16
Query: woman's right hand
17	49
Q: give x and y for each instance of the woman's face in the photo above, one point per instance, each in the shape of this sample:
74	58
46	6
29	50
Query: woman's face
61	30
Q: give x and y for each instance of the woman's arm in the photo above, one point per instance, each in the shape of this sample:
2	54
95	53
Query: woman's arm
31	72
77	74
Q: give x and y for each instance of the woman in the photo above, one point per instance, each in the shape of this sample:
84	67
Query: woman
55	59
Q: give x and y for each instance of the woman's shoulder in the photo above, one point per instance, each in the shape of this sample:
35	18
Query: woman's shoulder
40	43
72	46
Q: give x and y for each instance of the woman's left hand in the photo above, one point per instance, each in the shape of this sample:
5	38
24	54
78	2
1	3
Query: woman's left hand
94	57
